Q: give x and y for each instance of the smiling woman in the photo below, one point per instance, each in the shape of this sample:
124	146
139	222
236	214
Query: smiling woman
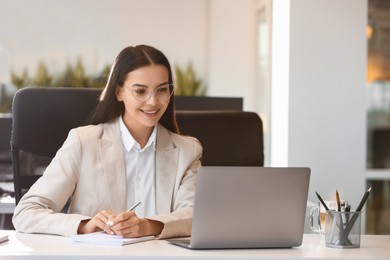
124	156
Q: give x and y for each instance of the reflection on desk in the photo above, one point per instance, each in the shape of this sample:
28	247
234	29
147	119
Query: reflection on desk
30	246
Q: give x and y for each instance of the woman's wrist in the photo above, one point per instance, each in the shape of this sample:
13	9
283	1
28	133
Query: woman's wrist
81	228
153	227
85	227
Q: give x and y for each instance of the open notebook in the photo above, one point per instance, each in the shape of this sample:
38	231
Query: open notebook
102	238
248	207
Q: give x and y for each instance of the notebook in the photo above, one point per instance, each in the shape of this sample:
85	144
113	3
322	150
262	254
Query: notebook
248	207
102	238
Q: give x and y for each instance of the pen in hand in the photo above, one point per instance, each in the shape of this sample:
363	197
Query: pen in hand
110	223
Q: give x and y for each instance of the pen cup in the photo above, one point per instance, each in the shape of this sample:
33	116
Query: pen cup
342	229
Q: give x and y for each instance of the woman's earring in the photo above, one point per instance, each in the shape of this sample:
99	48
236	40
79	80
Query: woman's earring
118	95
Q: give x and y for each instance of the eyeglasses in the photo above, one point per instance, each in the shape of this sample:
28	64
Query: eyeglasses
162	93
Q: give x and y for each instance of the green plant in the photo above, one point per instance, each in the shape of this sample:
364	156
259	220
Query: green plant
73	76
20	81
42	76
187	82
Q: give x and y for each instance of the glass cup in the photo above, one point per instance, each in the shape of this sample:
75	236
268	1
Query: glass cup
342	229
318	213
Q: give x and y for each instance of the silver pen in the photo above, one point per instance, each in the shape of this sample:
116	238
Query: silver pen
134	206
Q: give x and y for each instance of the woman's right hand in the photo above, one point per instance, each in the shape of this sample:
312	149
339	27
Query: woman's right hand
99	222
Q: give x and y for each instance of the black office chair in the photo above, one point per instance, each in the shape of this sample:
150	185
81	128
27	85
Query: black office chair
42	118
5	149
229	138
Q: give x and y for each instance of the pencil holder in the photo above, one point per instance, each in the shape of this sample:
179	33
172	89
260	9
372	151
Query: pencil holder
342	229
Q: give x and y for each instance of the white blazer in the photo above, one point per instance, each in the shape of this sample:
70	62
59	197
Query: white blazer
90	169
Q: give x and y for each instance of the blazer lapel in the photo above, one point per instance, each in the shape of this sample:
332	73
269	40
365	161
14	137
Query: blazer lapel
112	158
167	157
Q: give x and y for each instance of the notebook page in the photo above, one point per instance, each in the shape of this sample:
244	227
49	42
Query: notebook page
102	238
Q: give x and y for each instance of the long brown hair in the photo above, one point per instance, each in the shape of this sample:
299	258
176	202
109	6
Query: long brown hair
130	59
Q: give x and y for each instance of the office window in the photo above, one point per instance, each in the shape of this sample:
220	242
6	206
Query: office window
378	117
264	31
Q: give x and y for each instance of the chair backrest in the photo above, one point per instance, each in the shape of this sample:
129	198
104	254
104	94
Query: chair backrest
5	148
229	138
42	118
208	103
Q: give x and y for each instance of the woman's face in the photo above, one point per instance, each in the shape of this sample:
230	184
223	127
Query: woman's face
145	94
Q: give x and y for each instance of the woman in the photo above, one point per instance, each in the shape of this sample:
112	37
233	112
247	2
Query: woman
130	154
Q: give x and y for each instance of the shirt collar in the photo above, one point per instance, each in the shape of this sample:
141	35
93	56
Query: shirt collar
128	140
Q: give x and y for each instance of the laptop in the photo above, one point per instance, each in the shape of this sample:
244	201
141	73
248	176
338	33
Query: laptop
248	207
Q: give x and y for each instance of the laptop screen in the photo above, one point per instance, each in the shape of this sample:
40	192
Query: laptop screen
249	207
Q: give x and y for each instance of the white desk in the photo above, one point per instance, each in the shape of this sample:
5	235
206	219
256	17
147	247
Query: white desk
27	246
7	205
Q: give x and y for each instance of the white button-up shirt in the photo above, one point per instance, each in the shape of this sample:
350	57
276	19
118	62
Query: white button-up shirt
140	172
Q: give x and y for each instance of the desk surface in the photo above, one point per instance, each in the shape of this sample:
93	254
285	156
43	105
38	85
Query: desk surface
7	205
28	246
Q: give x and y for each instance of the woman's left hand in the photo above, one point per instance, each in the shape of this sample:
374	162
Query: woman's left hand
127	224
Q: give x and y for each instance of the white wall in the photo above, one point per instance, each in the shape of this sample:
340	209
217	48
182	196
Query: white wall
327	102
232	50
58	32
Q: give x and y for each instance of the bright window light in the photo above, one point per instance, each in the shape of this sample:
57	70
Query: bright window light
280	82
